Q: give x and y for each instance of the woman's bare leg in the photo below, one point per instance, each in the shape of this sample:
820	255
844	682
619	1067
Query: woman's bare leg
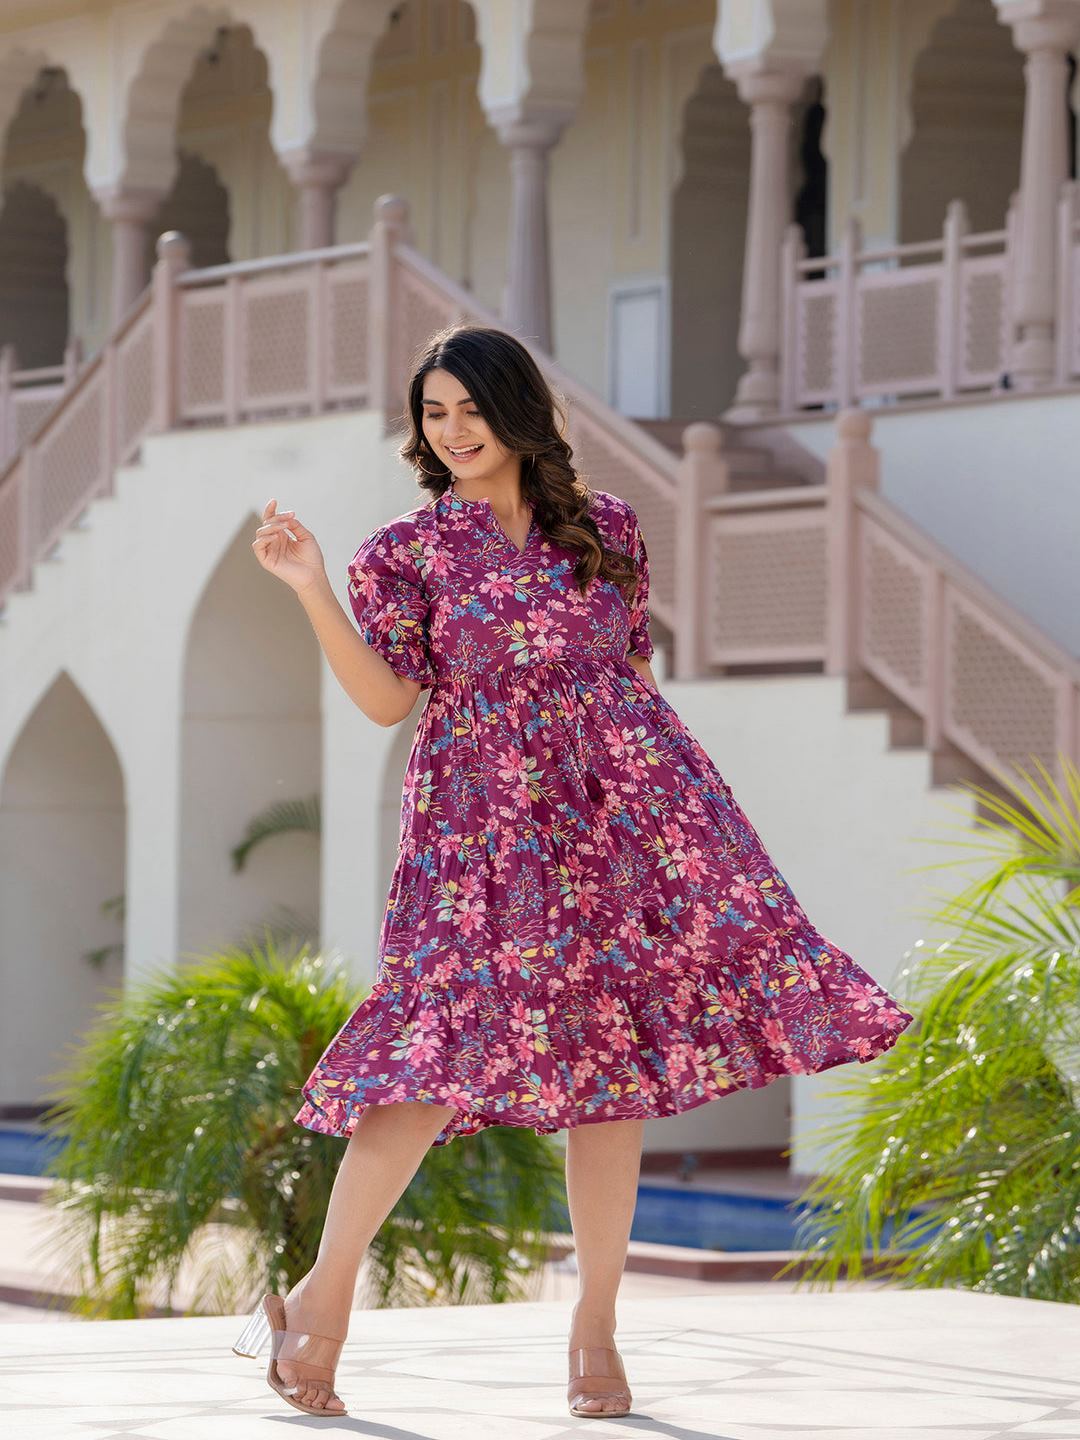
382	1155
603	1162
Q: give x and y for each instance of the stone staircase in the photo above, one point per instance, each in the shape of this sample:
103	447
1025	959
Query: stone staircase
774	461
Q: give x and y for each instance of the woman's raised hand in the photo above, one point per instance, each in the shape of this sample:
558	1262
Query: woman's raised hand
288	549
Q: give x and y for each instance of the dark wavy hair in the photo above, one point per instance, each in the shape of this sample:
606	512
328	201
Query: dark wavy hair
519	405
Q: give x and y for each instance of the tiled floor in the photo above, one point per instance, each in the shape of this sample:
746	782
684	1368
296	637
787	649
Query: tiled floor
747	1365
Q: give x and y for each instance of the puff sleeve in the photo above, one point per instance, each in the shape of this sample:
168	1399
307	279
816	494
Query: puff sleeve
634	545
387	596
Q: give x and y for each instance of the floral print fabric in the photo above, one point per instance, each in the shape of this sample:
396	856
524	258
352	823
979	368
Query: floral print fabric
582	923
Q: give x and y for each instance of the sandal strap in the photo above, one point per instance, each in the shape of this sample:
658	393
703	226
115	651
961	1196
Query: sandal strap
315	1352
595	1362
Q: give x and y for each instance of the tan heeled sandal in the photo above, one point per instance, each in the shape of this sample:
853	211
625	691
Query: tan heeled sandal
315	1356
590	1367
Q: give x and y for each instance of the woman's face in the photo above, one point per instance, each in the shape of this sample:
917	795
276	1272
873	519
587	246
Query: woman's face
453	427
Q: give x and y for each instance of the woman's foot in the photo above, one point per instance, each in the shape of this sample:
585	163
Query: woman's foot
306	1313
595	1330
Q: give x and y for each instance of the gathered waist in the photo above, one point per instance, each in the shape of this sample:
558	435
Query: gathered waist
586	660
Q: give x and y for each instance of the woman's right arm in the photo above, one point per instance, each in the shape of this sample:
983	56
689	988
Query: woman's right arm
384	696
290	551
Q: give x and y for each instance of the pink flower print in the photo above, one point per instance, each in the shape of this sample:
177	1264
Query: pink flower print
497	586
607	1010
446	970
422	1047
621	1041
582	1069
865	996
467	905
497	1065
679	1058
809	973
668	962
454	1095
631	929
862	1047
540	622
522	1026
508	960
552	1097
578	969
775	1036
519	773
742	890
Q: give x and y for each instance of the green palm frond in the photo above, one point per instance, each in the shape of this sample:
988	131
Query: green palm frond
282	818
1032	829
957	1159
175	1114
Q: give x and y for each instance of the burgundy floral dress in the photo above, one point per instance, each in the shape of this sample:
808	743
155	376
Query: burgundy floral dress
582	924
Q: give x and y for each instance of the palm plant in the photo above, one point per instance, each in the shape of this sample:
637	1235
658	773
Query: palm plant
958	1160
175	1120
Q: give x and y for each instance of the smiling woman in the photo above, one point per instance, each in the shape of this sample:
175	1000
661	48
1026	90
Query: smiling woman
583	929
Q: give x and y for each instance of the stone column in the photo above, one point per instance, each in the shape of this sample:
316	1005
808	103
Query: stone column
130	213
318	176
770	95
1046	41
527	303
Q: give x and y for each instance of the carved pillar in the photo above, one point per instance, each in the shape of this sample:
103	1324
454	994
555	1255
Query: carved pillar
1046	41
130	214
770	95
527	303
318	176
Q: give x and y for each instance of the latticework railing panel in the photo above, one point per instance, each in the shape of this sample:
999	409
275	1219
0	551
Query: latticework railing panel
348	309
202	353
276	342
893	587
817	343
983	322
765	586
70	463
898	331
134	385
30	408
13	494
1001	702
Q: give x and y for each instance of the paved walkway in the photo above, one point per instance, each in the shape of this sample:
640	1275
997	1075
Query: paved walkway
859	1364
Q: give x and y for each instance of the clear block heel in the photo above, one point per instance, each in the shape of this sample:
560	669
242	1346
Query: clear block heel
255	1335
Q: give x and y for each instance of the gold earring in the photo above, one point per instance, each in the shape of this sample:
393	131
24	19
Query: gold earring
435	474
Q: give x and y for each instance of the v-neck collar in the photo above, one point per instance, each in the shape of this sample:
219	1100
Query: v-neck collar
481	510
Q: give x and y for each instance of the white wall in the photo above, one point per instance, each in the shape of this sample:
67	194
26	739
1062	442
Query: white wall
994	482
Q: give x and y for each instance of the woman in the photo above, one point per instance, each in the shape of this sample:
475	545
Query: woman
583	928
